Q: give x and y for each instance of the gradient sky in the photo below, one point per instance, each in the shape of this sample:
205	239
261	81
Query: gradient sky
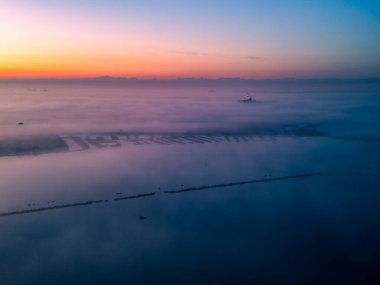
200	38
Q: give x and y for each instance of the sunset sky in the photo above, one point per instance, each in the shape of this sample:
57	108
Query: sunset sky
199	38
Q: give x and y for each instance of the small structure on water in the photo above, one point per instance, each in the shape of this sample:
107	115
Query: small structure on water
247	99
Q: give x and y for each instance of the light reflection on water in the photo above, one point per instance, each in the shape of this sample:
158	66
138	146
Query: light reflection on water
312	230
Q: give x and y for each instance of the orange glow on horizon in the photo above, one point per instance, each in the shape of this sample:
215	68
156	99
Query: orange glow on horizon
142	66
58	39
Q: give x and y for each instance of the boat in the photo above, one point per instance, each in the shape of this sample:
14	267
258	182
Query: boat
248	99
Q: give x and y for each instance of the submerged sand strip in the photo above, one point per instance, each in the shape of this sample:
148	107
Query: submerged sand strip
27	211
135	196
114	140
43	144
87	203
359	139
32	145
248	182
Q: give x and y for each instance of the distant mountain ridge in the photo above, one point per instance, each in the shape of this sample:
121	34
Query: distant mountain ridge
107	78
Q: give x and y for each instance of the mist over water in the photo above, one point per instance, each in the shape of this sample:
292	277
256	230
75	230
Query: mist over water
62	109
108	184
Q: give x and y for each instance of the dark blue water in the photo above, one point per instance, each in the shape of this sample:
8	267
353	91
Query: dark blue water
282	207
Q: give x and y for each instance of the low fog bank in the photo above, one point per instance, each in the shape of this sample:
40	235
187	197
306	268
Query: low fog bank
30	113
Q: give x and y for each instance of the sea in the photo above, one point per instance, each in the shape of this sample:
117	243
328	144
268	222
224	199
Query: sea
110	183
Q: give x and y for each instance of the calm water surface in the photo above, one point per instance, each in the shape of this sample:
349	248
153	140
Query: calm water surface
284	190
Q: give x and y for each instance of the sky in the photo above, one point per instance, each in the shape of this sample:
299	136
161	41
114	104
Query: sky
198	38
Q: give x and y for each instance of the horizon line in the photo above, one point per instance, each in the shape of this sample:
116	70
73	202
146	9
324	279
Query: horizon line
176	79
